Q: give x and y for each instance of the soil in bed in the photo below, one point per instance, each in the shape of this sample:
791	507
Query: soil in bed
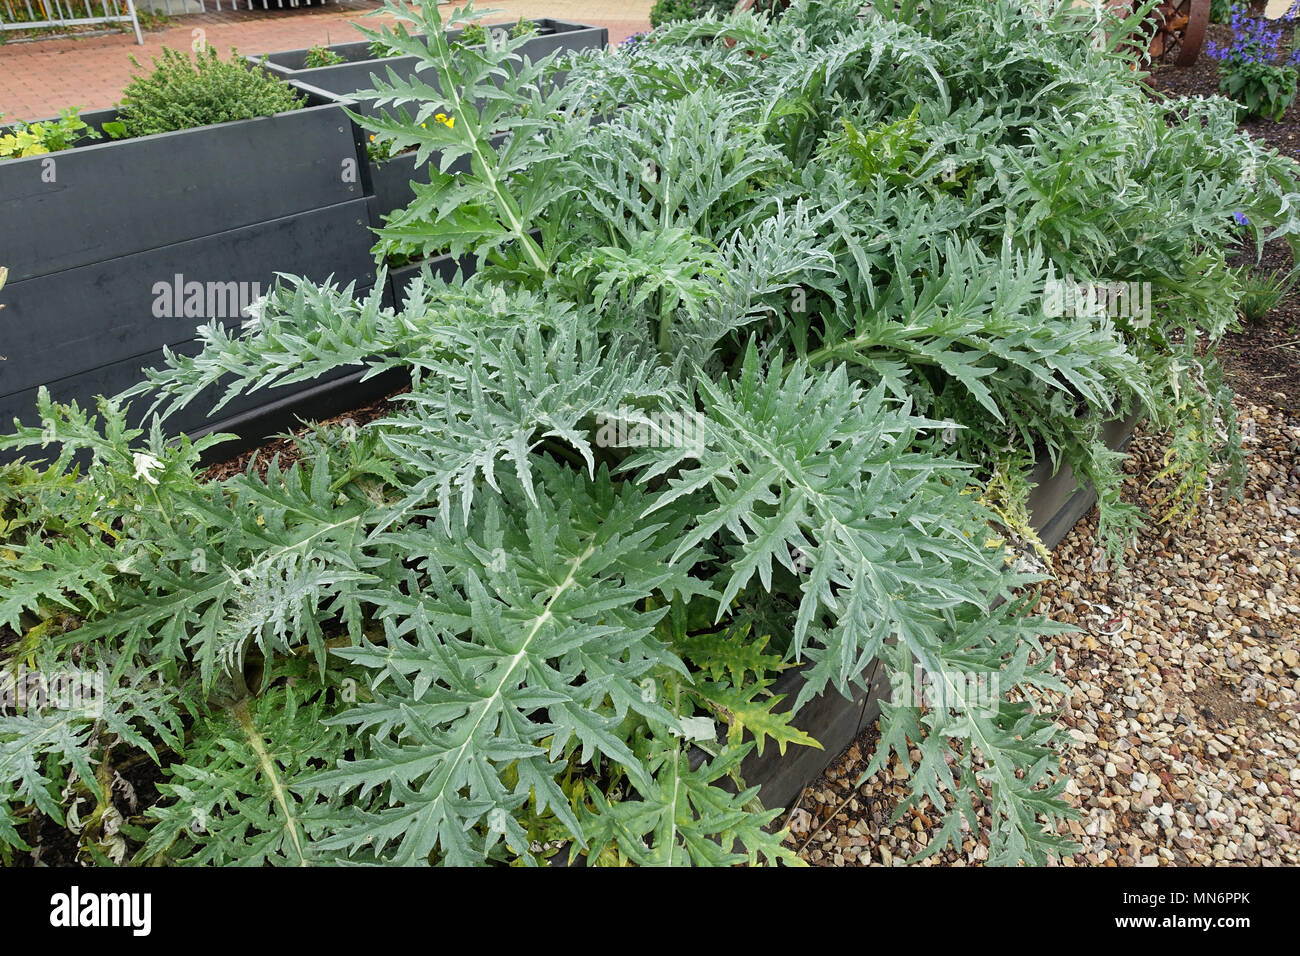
285	449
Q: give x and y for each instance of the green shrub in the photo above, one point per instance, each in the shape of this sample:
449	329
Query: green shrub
1266	90
472	34
752	376
184	93
666	11
379	50
321	56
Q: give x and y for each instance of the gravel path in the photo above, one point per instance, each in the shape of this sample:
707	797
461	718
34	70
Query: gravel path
1184	720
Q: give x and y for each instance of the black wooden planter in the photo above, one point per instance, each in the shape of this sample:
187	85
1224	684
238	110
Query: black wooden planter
389	183
359	64
1055	505
116	249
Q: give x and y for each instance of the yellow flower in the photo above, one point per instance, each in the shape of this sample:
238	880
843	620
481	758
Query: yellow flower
448	121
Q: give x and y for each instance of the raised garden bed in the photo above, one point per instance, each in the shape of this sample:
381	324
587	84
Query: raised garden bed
127	246
86	296
390	181
624	494
359	61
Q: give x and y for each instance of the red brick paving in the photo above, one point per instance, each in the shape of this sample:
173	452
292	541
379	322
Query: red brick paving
40	78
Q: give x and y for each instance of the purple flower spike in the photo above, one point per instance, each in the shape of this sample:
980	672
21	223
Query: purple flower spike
1255	67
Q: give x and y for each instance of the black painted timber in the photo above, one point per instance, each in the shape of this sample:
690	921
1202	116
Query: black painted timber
58	325
114	198
358	63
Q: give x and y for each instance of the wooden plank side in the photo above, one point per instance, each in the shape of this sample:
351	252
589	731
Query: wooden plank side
195	419
392	183
322	398
576	37
837	720
292	64
391	180
1058	500
112	199
344	79
59	326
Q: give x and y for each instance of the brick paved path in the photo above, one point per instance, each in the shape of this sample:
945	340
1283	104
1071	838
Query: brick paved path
40	78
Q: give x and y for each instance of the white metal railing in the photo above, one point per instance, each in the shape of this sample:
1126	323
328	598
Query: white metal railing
166	5
66	13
